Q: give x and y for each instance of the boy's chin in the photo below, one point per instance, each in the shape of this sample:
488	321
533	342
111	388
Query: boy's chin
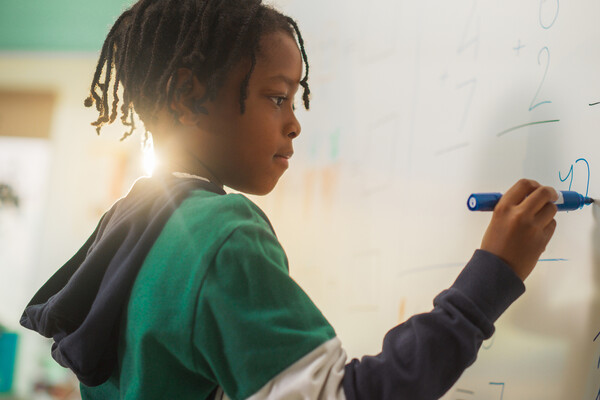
257	190
261	192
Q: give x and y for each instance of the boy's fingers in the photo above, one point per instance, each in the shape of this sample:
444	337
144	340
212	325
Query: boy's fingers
539	199
546	214
520	190
549	230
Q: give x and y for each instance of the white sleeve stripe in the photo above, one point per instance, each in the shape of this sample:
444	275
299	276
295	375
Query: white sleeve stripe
317	375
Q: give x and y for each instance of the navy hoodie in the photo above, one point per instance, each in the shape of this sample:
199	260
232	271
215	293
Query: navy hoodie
80	306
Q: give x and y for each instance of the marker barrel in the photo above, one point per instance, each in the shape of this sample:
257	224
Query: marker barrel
567	201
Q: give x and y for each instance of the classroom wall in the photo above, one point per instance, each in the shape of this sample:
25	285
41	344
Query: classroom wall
57	25
64	182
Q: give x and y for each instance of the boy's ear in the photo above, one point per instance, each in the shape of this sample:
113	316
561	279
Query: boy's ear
188	92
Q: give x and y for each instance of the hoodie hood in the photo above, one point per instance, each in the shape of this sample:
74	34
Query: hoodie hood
81	305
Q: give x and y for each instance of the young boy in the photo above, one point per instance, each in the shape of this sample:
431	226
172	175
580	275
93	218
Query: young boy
183	291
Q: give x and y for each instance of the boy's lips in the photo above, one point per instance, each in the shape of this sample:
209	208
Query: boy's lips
285	154
283	158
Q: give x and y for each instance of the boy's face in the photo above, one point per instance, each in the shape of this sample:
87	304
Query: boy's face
249	152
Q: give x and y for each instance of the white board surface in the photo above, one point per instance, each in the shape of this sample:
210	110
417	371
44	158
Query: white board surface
416	105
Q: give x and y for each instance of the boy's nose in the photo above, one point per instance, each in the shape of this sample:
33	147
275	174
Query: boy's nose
294	128
293	135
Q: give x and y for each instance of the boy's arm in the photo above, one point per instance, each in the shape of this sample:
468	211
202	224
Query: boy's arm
423	357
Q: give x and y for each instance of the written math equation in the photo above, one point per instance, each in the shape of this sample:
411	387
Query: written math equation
463	83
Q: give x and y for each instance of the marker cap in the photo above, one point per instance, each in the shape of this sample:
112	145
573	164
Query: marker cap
483	201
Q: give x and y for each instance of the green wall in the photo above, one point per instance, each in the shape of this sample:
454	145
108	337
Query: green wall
57	25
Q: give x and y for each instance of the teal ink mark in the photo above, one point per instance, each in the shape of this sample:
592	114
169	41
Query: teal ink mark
531	105
451	148
473	84
444	77
465	391
594	341
499	384
518	48
555	15
587	187
567	177
489	346
598	367
465	42
314	150
432	268
553	259
335	144
593	104
525	125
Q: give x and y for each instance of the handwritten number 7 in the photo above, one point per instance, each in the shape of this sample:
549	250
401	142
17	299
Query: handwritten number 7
499	384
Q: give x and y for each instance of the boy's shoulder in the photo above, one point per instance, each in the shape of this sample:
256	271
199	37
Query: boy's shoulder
227	211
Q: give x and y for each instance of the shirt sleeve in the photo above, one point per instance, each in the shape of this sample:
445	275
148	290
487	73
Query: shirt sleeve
252	320
422	358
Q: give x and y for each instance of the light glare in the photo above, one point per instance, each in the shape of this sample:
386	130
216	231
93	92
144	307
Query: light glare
149	158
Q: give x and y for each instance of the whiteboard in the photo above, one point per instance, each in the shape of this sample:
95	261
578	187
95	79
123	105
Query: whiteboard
415	105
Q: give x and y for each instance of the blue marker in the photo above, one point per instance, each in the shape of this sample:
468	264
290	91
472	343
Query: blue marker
567	201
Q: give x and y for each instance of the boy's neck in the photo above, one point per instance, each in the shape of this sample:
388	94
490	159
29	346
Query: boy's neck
193	167
191	172
171	157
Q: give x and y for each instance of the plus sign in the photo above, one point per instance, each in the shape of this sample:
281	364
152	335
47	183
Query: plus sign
519	47
444	77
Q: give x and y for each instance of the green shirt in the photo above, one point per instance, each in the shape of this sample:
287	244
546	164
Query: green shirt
213	305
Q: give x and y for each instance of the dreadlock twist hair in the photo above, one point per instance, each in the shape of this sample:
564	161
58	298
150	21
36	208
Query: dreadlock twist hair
153	38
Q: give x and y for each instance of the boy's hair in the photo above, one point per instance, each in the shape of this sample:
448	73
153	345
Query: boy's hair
153	38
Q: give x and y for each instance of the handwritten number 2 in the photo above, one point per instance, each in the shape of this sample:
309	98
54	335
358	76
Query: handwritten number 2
547	51
587	187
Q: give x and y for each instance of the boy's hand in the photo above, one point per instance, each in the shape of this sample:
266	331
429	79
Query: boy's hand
522	225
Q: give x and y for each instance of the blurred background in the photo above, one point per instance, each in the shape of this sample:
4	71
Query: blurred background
56	175
410	101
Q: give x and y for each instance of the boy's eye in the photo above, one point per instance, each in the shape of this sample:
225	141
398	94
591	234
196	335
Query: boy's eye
278	100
